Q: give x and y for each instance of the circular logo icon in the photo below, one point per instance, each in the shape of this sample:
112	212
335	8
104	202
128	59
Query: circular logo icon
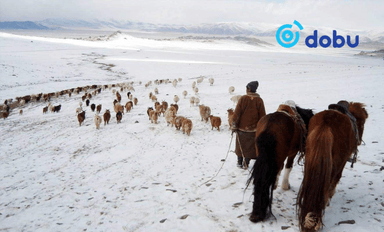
286	37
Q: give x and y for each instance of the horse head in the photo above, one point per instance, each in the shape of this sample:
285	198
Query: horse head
358	111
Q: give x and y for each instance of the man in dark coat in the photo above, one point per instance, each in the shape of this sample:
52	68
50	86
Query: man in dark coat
249	110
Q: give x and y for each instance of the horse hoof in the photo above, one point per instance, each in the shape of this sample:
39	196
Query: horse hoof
255	218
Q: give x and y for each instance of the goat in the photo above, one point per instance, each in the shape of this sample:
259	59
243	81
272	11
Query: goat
176	98
81	117
119	116
196	90
107	117
129	94
5	115
118	108
178	122
187	126
93	107
192	100
205	111
118	96
159	109
211	80
174	83
194	85
128	106
135	101
153	116
148	111
57	108
230	117
150	95
215	122
170	115
156	91
185	93
154	98
97	121
87	102
176	107
79	110
231	89
197	101
21	112
165	105
98	108
45	109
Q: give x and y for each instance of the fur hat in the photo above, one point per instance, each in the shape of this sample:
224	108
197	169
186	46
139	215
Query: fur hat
252	86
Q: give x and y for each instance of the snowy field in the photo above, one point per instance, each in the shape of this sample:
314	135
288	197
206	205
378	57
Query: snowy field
138	176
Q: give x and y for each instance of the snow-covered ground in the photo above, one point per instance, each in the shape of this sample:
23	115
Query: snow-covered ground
138	176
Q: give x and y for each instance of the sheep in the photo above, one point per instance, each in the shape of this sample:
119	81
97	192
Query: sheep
192	101
205	111
170	115
215	122
148	111
179	80
57	108
196	90
98	108
81	104
21	112
185	93
197	101
150	95
230	117
79	110
87	102
81	117
231	89
200	80
45	109
211	81
178	122
118	96
174	83
128	106
176	98
128	94
119	116
130	97
97	121
153	116
187	126
135	101
194	85
156	91
89	96
93	107
113	91
107	117
236	98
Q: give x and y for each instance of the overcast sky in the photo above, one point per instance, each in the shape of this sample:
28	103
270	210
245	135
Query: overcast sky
346	14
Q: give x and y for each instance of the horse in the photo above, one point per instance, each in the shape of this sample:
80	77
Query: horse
279	135
331	141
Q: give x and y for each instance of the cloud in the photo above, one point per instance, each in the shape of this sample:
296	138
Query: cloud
348	14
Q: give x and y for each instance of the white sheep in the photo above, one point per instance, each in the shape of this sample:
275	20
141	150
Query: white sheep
235	98
185	93
197	101
192	100
174	83
200	80
97	121
231	89
196	90
211	80
176	98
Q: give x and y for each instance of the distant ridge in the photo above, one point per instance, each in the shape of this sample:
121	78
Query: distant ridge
22	25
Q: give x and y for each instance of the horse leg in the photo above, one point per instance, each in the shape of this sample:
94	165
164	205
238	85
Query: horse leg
288	168
277	178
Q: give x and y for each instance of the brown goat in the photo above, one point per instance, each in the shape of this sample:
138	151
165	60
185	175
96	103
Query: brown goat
45	109
87	102
148	111
187	126
98	108
176	107
215	122
165	105
135	101
81	117
230	117
178	122
5	115
119	116
205	111
128	106
118	96
107	117
153	116
93	107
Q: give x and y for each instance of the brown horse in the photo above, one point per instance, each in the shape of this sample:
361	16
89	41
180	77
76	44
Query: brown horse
279	136
331	141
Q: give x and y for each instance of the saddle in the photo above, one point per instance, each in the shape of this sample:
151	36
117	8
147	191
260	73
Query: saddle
342	107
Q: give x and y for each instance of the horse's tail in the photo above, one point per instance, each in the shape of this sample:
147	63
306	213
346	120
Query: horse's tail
264	176
314	190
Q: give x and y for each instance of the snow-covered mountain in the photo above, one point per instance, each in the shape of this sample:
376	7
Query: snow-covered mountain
22	25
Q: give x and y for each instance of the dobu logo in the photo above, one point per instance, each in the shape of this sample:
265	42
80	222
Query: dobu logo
287	35
287	39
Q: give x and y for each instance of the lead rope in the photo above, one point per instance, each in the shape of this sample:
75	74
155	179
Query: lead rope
217	173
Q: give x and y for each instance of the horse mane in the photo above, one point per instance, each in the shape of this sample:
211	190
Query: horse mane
358	110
